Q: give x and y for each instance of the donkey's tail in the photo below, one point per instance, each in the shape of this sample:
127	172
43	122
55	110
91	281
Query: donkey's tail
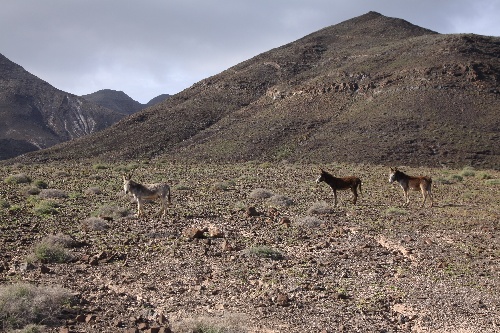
169	198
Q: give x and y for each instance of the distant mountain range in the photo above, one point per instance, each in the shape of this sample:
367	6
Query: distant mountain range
120	102
372	89
34	115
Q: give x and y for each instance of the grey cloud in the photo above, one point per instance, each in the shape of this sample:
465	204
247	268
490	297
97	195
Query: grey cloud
152	47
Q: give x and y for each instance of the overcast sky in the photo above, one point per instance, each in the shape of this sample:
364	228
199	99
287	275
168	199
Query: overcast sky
151	47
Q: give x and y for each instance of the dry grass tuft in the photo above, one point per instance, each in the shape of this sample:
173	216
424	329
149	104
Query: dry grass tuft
52	194
320	208
261	193
24	304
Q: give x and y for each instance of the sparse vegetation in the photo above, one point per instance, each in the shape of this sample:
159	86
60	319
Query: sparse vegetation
52	194
280	200
24	304
302	253
19	178
46	208
261	193
320	208
263	251
111	212
95	223
53	249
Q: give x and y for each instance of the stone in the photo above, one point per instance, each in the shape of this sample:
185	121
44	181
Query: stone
193	233
80	318
215	232
251	211
44	269
90	318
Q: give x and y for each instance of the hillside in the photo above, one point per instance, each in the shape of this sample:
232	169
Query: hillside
371	89
35	115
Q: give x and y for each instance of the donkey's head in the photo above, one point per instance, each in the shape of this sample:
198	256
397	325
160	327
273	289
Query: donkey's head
392	175
126	183
321	177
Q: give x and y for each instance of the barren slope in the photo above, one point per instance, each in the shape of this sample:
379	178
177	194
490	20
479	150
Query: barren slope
373	89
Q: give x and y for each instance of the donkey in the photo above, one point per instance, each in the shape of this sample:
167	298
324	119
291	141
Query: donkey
351	182
147	192
422	183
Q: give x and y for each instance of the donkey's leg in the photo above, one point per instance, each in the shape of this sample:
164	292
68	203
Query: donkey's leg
139	208
424	196
353	189
429	191
163	206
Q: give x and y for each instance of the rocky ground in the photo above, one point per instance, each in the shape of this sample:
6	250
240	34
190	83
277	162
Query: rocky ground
257	248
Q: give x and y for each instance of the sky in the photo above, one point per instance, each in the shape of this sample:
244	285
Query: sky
151	47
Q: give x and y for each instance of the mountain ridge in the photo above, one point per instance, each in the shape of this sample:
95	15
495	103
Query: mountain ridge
371	89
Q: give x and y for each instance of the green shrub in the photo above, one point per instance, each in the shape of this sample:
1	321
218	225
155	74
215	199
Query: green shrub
265	252
492	181
468	172
41	184
32	190
46	208
223	186
25	304
99	166
4	203
395	211
19	178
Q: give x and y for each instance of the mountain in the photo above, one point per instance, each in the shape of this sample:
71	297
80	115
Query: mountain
156	100
35	115
121	102
114	100
372	89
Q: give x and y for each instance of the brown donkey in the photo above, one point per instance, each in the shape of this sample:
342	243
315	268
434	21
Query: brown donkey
352	183
422	183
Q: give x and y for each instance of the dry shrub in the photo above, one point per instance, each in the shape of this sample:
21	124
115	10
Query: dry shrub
280	200
111	212
309	222
19	178
23	304
230	323
261	193
53	249
93	191
320	208
95	223
52	194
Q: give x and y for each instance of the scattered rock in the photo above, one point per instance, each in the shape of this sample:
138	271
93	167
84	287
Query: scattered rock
251	211
192	233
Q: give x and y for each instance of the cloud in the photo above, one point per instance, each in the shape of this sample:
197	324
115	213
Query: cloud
152	47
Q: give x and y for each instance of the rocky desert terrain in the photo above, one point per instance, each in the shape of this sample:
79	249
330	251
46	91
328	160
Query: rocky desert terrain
247	247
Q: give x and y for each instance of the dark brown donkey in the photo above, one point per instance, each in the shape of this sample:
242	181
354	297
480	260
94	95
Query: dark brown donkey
352	183
422	183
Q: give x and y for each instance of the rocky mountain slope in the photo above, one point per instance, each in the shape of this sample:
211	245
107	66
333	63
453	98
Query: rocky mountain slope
35	115
371	89
121	102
